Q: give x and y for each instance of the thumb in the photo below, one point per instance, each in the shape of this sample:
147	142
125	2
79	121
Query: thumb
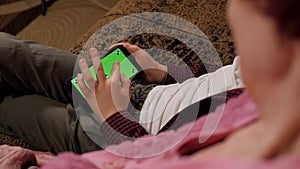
131	48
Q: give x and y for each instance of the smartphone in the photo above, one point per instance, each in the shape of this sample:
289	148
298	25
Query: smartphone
128	66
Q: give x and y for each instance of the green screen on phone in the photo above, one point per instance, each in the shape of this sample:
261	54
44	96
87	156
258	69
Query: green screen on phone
117	55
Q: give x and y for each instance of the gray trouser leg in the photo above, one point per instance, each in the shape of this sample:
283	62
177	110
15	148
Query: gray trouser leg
31	68
47	125
44	118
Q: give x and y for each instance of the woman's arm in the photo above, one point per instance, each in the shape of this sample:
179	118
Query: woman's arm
118	125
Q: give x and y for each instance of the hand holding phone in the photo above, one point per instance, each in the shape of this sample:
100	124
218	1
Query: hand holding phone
128	67
105	96
154	72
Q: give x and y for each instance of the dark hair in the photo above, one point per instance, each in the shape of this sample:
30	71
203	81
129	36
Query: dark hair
286	13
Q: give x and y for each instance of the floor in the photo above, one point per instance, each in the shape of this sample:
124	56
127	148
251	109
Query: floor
65	22
15	15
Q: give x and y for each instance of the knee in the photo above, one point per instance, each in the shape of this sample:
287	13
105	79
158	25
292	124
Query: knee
8	43
8	38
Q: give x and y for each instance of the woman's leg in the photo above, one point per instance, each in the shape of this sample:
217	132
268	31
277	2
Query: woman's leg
27	67
47	125
48	122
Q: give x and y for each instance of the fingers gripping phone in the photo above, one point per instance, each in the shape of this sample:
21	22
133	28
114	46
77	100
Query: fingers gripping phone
128	66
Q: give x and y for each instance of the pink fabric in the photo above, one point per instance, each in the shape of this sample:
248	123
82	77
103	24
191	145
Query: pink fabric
69	160
165	150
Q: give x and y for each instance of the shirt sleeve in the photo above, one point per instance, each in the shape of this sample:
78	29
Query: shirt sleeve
204	107
120	127
179	74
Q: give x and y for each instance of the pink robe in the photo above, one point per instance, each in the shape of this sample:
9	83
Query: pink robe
167	149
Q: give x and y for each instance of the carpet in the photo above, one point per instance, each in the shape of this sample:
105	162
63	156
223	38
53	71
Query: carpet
66	22
15	15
